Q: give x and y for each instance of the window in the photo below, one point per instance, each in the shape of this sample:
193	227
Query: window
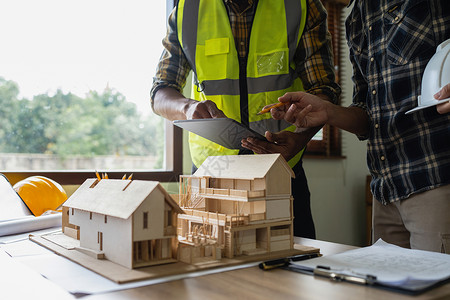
145	220
327	141
74	91
168	217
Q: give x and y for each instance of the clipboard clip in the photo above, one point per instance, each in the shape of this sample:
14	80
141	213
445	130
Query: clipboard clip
324	271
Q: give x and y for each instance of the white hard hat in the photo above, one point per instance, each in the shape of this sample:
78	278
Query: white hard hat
436	76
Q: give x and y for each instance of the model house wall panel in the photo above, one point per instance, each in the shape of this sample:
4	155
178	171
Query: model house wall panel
244	208
249	208
259	207
225	183
227	207
278	180
247	236
154	207
258	184
245	240
278	209
102	237
117	230
243	184
280	245
212	205
76	216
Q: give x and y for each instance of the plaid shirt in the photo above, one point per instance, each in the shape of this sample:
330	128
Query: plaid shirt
391	42
313	59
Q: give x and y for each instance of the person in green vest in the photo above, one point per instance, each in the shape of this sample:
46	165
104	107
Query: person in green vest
244	55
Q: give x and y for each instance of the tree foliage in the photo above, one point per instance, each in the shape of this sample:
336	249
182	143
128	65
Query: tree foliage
65	124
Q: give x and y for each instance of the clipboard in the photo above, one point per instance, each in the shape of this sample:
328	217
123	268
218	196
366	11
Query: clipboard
421	270
368	280
223	131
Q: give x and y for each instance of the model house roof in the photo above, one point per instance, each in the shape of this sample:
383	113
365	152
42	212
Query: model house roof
113	197
241	166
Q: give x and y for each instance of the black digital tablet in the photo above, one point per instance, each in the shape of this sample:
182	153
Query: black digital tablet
223	131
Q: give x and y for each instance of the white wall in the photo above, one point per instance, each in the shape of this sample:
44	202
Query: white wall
338	189
338	186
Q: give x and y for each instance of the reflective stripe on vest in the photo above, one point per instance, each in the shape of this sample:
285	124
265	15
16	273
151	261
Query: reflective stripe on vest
205	36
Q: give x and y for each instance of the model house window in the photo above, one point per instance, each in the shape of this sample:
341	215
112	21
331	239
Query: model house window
168	218
74	90
106	219
145	220
90	215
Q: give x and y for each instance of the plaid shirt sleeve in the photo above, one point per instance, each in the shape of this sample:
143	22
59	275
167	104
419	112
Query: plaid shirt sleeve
173	67
314	56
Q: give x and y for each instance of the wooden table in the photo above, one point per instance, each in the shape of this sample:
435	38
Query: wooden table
253	283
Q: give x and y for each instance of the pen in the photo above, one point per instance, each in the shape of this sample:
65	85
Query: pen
266	110
336	276
282	262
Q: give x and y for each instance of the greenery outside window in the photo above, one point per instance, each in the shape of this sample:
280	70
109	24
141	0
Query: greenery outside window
74	91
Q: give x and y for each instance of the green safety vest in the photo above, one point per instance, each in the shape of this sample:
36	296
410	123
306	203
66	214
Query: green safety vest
205	36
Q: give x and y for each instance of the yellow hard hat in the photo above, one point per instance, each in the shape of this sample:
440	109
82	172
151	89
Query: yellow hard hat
40	194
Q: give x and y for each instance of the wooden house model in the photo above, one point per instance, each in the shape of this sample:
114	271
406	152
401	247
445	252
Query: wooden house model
235	205
129	222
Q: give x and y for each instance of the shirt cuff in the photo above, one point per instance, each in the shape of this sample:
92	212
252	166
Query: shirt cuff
159	85
330	92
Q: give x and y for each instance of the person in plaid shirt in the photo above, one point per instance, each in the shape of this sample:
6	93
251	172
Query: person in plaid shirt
310	60
408	155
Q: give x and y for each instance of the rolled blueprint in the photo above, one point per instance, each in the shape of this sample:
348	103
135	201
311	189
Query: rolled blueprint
30	223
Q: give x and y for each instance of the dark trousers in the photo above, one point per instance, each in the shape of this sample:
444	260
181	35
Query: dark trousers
303	221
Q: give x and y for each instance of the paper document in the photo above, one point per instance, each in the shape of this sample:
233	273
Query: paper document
20	282
78	280
12	206
387	264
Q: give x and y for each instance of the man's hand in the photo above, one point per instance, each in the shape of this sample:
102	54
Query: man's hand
203	110
287	143
172	105
442	94
302	109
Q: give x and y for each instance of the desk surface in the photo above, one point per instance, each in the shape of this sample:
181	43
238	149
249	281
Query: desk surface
253	283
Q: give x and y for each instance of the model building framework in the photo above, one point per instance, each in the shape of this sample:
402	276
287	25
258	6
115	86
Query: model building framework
235	205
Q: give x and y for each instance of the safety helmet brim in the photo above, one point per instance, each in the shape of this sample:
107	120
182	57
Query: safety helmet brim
427	105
